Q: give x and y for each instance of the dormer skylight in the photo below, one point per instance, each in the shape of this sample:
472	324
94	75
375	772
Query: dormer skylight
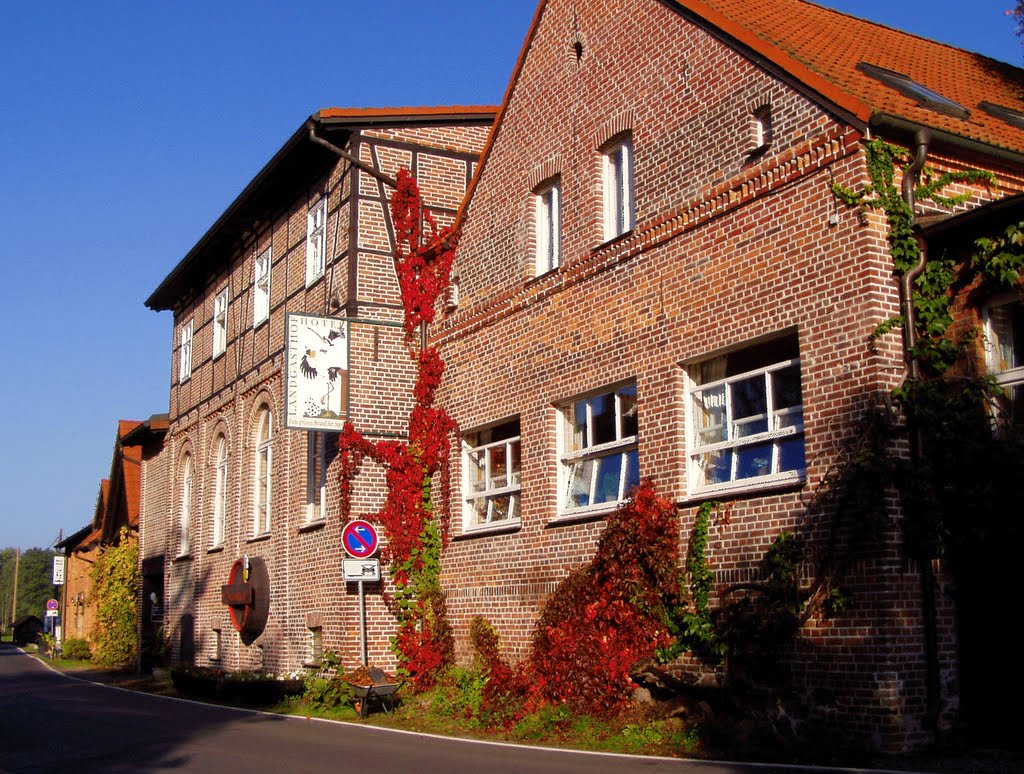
908	87
1012	117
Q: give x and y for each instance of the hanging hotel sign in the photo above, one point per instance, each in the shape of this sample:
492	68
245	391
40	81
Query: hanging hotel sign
316	372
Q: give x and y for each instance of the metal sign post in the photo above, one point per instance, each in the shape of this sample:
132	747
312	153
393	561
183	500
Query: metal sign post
360	541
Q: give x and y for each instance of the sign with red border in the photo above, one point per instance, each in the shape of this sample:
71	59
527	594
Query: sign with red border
359	539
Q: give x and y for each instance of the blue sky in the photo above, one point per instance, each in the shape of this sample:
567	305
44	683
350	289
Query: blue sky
127	127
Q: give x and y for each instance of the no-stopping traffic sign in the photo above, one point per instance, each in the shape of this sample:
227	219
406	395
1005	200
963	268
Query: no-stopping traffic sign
359	539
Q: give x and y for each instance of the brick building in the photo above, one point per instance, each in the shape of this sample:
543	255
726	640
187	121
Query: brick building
656	279
117	506
310	234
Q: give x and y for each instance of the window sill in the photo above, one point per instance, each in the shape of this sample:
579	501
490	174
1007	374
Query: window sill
185	557
257	324
485	530
613	241
215	549
218	355
744	490
259	538
580	517
312	526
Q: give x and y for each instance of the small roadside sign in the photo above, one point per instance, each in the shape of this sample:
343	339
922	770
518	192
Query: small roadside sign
361	569
52	605
58	570
52	613
359	539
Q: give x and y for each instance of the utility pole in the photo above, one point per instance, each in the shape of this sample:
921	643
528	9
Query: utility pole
14	600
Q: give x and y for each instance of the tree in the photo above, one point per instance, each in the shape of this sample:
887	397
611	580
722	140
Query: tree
35	582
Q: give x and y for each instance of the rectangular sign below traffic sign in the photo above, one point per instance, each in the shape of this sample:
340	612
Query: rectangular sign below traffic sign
52	613
361	569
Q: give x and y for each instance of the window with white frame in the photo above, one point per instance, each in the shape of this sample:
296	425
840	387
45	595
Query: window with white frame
185	352
617	161
316	484
220	492
316	240
600	460
185	506
492	476
1004	334
746	418
261	287
220	323
262	474
548	220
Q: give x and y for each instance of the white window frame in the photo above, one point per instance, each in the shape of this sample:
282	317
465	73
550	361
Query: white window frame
185	506
220	323
316	476
220	492
316	241
548	222
619	193
1009	376
261	286
782	424
263	473
492	491
579	450
185	352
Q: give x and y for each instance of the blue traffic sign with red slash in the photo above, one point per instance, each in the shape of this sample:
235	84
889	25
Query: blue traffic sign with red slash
359	539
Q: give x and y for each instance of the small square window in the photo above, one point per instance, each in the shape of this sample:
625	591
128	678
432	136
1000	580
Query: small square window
548	221
619	216
220	323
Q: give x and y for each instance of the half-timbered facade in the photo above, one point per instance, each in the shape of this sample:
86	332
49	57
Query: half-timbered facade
311	234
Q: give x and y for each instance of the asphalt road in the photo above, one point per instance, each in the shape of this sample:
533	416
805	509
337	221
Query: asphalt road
50	722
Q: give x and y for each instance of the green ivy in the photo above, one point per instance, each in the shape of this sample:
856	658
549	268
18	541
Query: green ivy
698	631
114	578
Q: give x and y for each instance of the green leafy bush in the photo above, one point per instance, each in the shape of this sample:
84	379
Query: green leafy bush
114	577
74	647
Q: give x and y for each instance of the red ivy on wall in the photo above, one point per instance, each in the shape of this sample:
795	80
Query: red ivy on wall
423	264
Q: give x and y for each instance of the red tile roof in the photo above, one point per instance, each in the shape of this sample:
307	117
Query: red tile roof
823	47
131	467
431	111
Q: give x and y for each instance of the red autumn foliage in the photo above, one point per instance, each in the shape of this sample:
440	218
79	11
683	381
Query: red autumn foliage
603	618
424	642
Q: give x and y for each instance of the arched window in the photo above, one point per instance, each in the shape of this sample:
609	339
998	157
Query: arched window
261	473
185	507
220	491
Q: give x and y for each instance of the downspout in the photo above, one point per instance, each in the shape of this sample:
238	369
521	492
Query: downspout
928	611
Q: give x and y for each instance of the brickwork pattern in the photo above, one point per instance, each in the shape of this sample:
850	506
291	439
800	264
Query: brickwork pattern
225	395
731	244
